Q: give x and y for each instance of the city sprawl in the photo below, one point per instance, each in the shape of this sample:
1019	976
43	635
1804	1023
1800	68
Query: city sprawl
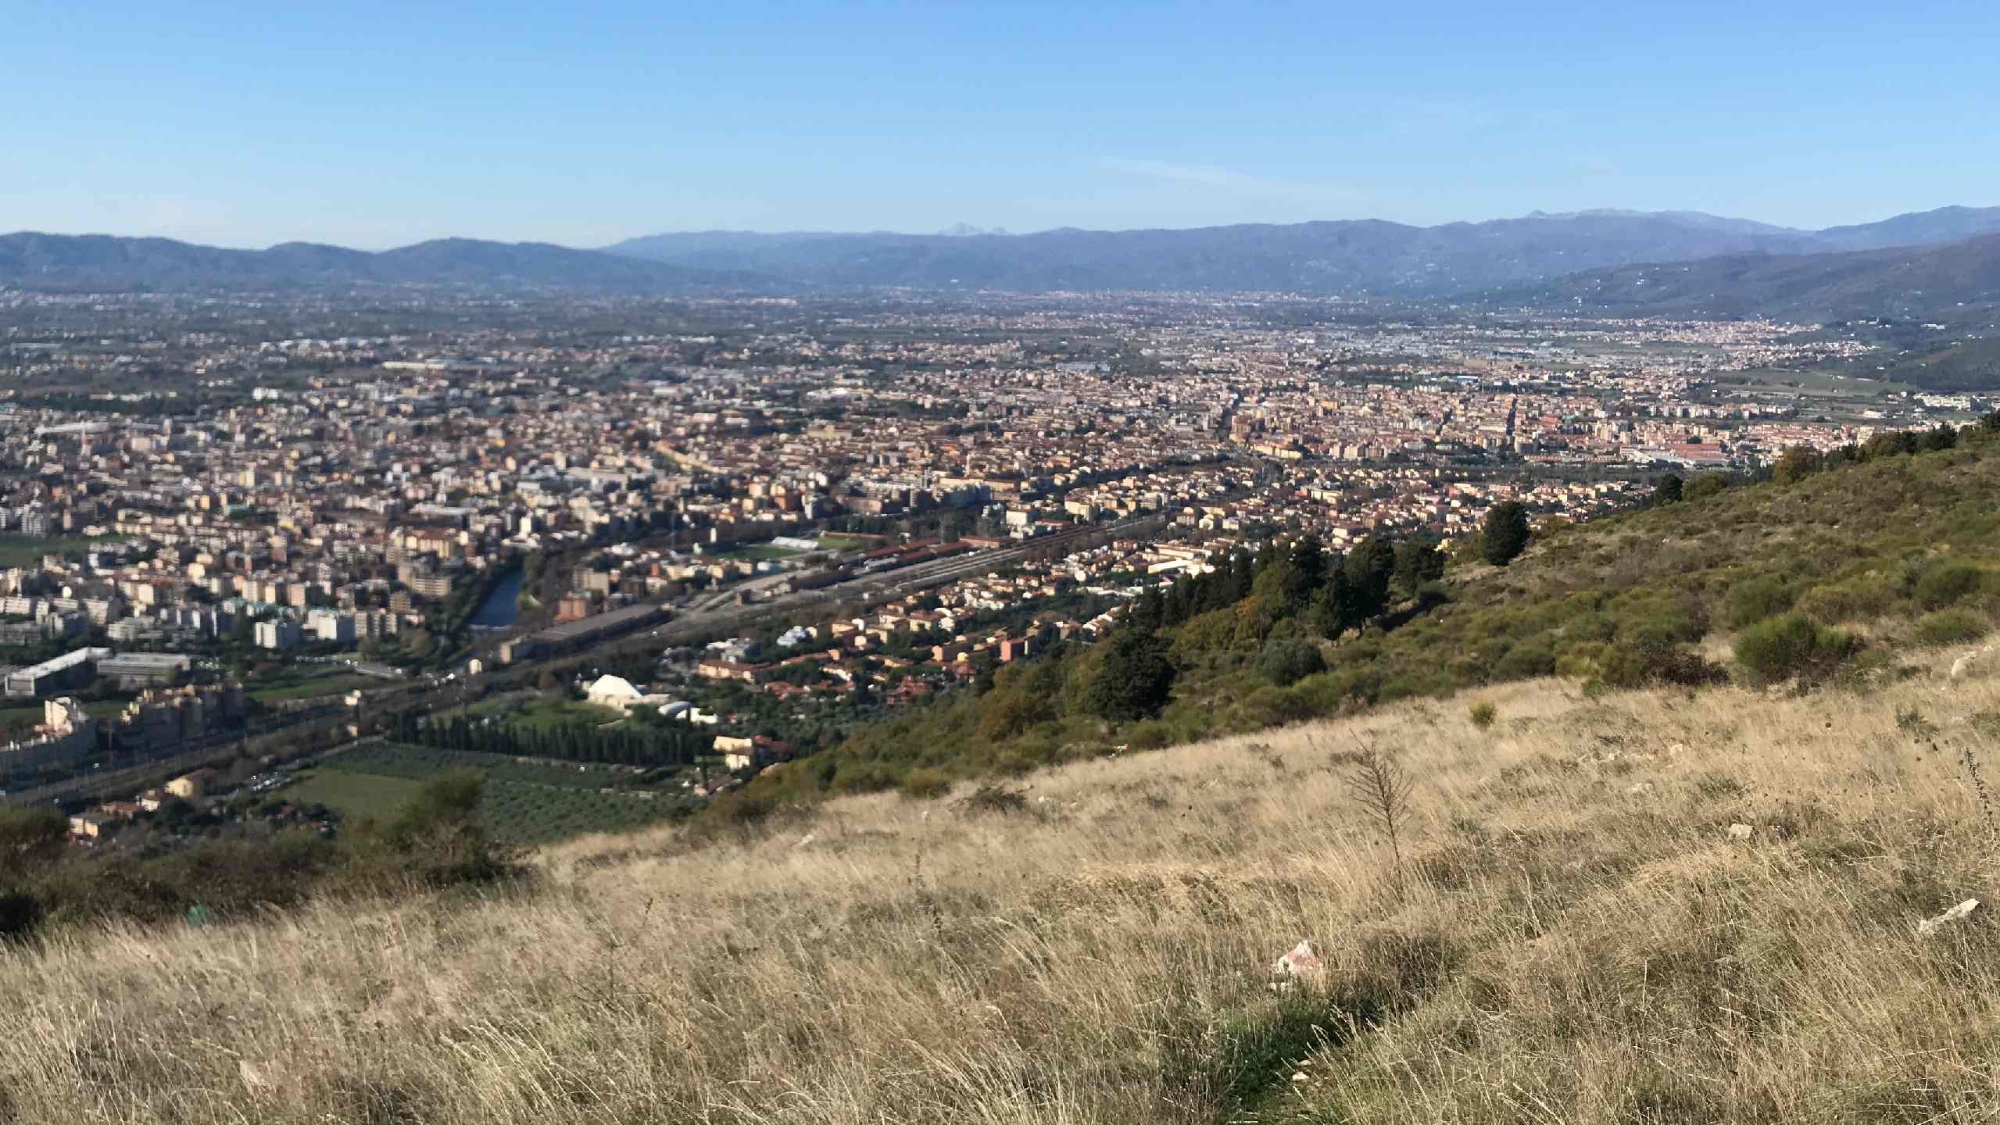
673	542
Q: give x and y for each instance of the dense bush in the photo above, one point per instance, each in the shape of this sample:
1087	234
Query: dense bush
1796	464
1704	485
1952	626
1640	664
1754	599
1946	583
1856	599
1287	660
924	784
1525	662
1789	646
1134	678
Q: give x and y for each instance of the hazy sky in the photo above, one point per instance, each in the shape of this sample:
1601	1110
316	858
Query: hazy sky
381	124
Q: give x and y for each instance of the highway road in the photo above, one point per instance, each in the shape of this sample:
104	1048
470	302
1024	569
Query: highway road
707	616
715	616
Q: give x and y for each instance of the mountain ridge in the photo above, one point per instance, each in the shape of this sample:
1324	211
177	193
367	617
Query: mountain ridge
1955	283
1349	257
34	259
1357	257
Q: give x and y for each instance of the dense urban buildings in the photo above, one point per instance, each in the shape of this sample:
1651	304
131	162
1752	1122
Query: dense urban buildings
396	482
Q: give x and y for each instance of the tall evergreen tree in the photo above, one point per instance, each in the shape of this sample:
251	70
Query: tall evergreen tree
1668	491
1506	533
1418	561
1307	571
1134	679
1370	568
1242	575
1150	611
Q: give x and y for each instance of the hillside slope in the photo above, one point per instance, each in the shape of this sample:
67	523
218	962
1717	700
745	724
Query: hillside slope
1574	934
50	261
1957	284
1860	563
1345	256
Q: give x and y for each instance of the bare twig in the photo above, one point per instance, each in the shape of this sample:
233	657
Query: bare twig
1980	792
1381	789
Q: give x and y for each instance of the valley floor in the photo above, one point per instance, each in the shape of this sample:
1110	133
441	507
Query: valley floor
1574	934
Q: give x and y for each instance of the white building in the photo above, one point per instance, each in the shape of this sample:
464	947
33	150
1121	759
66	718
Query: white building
279	634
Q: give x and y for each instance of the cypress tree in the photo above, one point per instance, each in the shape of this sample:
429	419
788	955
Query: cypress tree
1506	533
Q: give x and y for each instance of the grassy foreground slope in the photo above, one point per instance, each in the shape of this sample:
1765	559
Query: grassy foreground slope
1574	934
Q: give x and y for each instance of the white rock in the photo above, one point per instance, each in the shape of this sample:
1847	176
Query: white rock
805	840
1964	663
1952	917
1741	831
1302	963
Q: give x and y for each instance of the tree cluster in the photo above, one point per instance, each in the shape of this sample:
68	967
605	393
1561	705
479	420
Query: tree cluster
1331	591
1801	461
568	742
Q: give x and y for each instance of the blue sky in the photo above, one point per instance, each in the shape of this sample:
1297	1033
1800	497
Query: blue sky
380	124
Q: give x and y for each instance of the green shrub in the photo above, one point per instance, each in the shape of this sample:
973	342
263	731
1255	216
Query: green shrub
1796	464
1946	583
1234	1063
1525	662
1951	627
1638	664
1716	786
1705	484
1483	714
995	799
1857	599
1582	661
924	784
433	840
1911	721
1287	660
1788	646
1754	599
1276	706
1134	678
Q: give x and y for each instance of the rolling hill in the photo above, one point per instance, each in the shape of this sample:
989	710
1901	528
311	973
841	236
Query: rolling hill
1887	556
1957	284
53	261
1347	257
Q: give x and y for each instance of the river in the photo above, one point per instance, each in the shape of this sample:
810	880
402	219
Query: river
501	606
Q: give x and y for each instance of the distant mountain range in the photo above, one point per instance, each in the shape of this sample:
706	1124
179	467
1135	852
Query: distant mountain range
55	261
1347	257
1957	284
1659	261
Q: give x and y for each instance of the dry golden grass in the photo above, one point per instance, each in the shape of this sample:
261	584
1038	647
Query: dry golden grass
1580	940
